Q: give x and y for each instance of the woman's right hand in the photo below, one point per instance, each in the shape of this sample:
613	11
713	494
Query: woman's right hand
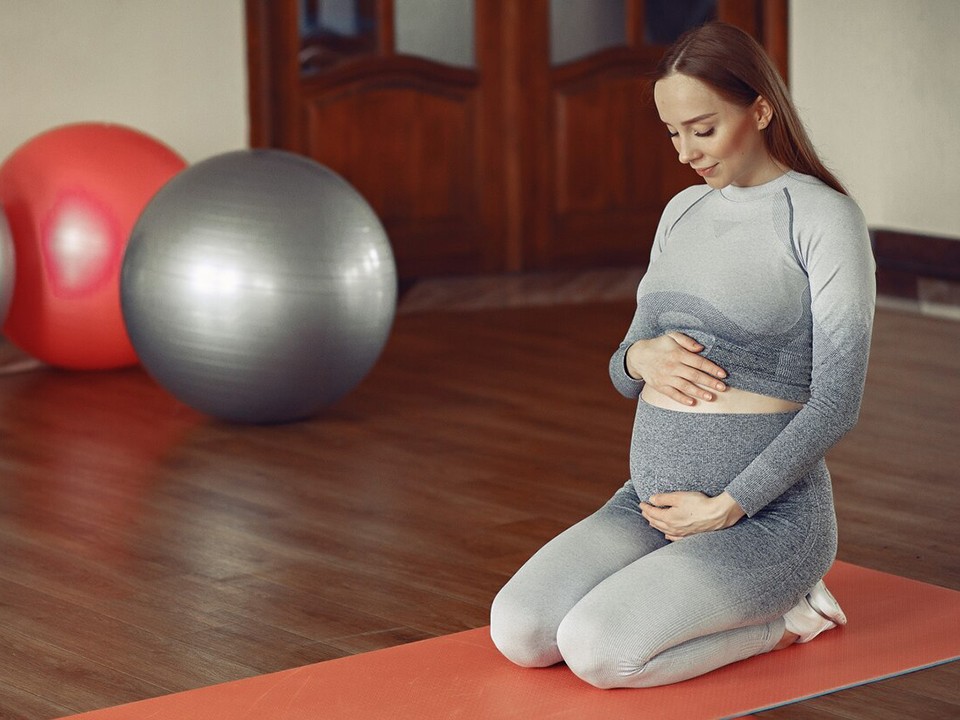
671	364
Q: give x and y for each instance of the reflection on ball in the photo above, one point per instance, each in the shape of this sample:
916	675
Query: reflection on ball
258	286
72	195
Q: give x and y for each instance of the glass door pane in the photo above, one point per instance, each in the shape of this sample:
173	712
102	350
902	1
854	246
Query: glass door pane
582	27
667	20
332	31
439	30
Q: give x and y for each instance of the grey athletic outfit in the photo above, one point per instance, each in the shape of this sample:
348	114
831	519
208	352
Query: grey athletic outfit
777	282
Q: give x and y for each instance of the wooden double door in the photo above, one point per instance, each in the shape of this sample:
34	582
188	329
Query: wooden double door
489	135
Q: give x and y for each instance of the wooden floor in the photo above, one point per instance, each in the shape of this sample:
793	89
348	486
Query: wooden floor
145	549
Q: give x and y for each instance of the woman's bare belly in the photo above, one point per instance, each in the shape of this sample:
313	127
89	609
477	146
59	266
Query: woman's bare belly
731	400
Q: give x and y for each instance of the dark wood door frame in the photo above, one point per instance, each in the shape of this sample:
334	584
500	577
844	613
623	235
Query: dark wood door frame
516	118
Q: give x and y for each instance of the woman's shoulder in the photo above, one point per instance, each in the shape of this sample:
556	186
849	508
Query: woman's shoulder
826	222
815	201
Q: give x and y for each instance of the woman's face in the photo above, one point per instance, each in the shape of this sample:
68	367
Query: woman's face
721	141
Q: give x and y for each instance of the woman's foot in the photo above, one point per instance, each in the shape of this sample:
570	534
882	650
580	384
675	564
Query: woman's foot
826	604
816	612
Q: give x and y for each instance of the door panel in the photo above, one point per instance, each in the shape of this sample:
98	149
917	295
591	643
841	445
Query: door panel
406	137
605	160
609	162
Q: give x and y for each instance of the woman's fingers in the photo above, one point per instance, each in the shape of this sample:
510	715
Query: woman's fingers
695	359
709	368
671	363
685	341
681	397
693	383
698	372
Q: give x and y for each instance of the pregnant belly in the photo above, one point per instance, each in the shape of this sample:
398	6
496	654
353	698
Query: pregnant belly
702	451
731	400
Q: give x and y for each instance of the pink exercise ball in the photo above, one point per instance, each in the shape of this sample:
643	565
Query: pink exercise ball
72	196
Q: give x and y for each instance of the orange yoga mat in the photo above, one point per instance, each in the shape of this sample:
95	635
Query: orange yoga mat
895	626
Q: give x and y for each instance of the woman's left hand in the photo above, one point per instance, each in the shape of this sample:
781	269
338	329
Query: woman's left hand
681	514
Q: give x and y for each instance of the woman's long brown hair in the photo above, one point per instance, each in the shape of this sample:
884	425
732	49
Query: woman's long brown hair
735	66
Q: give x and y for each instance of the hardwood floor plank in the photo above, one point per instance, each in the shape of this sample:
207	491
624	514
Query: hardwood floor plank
147	549
48	671
19	704
892	699
262	647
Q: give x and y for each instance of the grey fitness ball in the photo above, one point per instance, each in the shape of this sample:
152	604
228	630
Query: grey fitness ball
258	286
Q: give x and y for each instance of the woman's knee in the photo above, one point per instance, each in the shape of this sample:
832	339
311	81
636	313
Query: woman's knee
521	634
603	653
590	649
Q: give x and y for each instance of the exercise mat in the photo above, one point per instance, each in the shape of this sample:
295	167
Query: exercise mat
895	626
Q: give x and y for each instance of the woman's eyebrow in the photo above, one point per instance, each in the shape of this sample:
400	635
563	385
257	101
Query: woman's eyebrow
698	118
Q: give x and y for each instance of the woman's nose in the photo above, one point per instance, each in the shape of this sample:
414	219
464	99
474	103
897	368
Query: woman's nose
687	151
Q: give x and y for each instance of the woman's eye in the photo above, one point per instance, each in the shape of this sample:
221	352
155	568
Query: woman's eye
696	133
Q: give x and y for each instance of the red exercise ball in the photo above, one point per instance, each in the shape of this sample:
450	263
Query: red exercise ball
71	196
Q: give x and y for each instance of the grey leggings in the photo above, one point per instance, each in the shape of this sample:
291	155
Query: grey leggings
624	607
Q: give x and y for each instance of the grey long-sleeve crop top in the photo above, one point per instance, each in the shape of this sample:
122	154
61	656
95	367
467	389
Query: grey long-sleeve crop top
777	282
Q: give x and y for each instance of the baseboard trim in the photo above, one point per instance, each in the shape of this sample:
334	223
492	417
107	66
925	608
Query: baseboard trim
915	266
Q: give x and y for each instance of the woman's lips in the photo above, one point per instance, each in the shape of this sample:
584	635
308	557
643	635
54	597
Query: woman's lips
704	172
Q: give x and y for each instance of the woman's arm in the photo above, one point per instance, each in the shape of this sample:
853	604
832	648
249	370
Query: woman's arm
840	269
837	257
669	362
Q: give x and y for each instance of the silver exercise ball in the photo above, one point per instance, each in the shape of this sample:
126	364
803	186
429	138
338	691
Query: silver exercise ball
258	286
8	268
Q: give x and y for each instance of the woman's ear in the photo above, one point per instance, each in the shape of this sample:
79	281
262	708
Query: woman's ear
763	112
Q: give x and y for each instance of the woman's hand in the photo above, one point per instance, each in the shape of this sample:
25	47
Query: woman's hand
681	514
671	364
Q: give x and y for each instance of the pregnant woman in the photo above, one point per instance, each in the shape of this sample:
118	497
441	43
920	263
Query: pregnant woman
746	357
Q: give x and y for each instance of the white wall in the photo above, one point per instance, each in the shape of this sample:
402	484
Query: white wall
877	85
875	81
175	69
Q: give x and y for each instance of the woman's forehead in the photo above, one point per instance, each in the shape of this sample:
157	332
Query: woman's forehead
681	98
